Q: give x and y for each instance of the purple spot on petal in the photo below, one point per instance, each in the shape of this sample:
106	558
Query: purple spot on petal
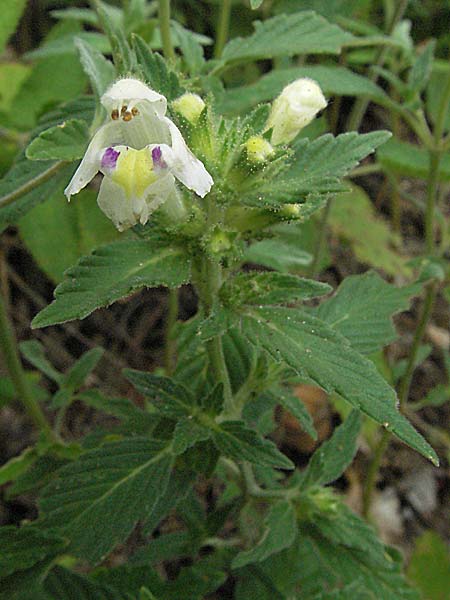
157	158
109	158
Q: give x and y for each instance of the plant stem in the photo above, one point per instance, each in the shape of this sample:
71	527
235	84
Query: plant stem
31	184
164	28
222	28
8	345
361	103
169	342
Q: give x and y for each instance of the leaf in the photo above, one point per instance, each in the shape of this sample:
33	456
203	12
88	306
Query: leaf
295	406
362	310
12	77
155	70
236	440
11	13
287	35
333	80
254	4
101	72
27	184
187	433
318	166
14	467
97	500
354	219
75	377
277	254
313	349
78	226
190	47
409	160
112	272
420	72
430	565
66	585
280	532
170	398
332	457
34	352
270	288
67	141
26	546
435	91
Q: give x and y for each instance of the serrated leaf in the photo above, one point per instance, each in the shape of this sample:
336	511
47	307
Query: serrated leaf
318	166
26	546
96	500
236	440
362	310
101	72
286	35
313	349
67	141
332	457
332	80
270	288
170	398
110	273
280	532
276	254
156	72
187	433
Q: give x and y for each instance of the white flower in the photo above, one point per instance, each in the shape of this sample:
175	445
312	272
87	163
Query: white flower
295	107
140	152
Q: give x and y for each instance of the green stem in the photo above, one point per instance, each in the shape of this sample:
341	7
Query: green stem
372	473
31	184
222	28
361	103
164	28
253	489
8	345
169	342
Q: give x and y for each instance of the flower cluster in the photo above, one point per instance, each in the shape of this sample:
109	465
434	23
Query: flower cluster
141	152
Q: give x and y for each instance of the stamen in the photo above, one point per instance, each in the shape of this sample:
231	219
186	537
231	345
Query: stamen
127	116
134	111
114	114
124	109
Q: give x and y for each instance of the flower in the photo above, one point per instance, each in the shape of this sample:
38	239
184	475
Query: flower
295	107
190	106
140	152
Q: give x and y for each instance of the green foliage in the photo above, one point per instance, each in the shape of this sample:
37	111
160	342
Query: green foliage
82	502
110	273
354	220
315	350
275	254
403	158
301	33
100	71
429	566
79	226
67	141
362	308
11	13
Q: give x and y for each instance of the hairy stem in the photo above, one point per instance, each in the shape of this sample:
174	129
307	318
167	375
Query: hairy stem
222	28
164	28
8	345
31	184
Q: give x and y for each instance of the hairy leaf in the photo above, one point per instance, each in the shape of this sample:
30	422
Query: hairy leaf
112	272
67	141
101	72
97	500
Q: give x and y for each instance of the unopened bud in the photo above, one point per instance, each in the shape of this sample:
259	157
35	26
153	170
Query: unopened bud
190	106
258	149
295	107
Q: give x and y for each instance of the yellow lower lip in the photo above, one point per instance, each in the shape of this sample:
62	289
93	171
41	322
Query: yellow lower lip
134	172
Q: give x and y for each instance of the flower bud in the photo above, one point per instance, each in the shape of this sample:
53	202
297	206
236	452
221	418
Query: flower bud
258	149
190	106
295	107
